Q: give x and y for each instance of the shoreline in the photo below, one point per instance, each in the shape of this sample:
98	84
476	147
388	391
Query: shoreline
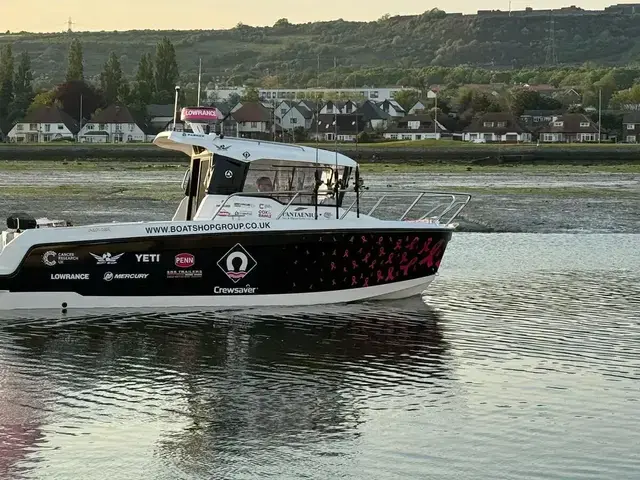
400	152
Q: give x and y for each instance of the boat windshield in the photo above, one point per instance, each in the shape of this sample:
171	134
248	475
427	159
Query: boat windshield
283	179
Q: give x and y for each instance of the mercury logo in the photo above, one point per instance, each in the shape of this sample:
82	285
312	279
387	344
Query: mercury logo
237	263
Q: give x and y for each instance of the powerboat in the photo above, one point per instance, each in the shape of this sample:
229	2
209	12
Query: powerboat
261	223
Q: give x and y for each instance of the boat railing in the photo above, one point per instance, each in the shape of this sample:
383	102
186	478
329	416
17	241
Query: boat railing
443	207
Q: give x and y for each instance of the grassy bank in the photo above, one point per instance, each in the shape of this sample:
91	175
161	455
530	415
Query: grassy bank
367	168
423	151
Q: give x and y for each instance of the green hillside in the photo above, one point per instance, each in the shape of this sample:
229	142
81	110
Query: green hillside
433	38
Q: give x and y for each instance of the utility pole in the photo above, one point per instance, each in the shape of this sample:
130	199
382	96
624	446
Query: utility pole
199	80
599	112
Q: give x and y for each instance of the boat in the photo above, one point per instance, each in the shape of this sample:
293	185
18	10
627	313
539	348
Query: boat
261	223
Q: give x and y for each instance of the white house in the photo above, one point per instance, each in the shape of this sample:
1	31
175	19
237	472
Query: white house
44	124
297	116
496	127
392	108
416	127
337	107
114	124
251	120
417	108
281	109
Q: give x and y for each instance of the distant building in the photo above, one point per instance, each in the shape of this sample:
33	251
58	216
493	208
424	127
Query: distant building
416	127
496	127
275	94
631	127
569	128
114	124
44	124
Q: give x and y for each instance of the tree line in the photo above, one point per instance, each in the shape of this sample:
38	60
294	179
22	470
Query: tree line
154	82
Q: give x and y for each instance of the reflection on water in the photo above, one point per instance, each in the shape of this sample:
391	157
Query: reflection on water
524	372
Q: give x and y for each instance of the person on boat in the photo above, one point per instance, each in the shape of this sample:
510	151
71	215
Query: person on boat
264	184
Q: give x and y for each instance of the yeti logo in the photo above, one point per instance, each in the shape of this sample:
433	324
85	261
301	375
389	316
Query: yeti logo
237	263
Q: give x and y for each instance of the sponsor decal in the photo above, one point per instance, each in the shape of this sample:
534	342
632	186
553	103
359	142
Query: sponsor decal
237	263
264	206
198	113
99	229
69	276
196	227
108	276
246	154
299	213
264	214
147	257
235	290
106	258
223	147
228	174
242	213
184	273
327	215
242	205
224	213
193	135
185	260
51	259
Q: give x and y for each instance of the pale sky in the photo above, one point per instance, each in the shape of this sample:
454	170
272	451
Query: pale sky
48	16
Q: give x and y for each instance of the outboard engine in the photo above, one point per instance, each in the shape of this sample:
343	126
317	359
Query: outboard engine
21	221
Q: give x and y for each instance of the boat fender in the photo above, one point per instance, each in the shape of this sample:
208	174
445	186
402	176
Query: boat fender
21	221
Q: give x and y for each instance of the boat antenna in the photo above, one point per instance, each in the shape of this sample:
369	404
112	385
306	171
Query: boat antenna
175	107
335	135
317	135
199	80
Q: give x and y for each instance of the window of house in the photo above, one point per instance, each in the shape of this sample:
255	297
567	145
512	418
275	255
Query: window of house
631	139
584	124
90	126
502	124
283	111
547	137
19	127
131	126
129	138
558	124
630	126
102	126
118	127
373	94
488	136
60	127
293	120
254	124
46	138
588	137
488	124
33	126
473	136
47	127
406	137
393	137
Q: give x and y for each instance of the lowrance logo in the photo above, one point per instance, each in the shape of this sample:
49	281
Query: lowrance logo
69	276
235	290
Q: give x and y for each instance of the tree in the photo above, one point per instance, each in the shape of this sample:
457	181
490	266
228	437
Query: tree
250	95
69	95
22	87
145	83
407	98
111	80
6	81
166	67
45	98
75	68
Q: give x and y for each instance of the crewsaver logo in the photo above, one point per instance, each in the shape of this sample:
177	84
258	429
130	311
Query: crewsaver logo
237	263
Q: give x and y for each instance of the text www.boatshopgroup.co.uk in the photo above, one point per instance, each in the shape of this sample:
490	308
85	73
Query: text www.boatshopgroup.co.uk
208	227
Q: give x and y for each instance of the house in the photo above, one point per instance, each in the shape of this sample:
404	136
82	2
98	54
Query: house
159	116
297	116
393	108
418	107
416	127
496	127
534	119
44	124
309	105
114	124
570	127
343	128
282	108
250	120
333	106
631	127
374	116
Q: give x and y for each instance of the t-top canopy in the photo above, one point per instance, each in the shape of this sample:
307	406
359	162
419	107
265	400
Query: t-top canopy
246	150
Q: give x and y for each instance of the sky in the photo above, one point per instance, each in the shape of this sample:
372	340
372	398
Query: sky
48	16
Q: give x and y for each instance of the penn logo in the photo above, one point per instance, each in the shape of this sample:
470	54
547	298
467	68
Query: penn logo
185	260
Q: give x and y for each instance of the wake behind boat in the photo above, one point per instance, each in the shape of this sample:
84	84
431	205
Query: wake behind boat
261	223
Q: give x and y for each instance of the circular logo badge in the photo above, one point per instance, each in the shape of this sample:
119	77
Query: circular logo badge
49	258
108	276
228	174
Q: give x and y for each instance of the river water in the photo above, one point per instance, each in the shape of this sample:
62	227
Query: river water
523	361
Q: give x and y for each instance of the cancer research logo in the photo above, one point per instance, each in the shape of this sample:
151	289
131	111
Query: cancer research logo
51	259
106	258
237	263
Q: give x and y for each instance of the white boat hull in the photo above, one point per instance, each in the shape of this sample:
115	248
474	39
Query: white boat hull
72	300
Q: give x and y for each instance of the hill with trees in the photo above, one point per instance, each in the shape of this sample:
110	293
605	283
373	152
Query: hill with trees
434	38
